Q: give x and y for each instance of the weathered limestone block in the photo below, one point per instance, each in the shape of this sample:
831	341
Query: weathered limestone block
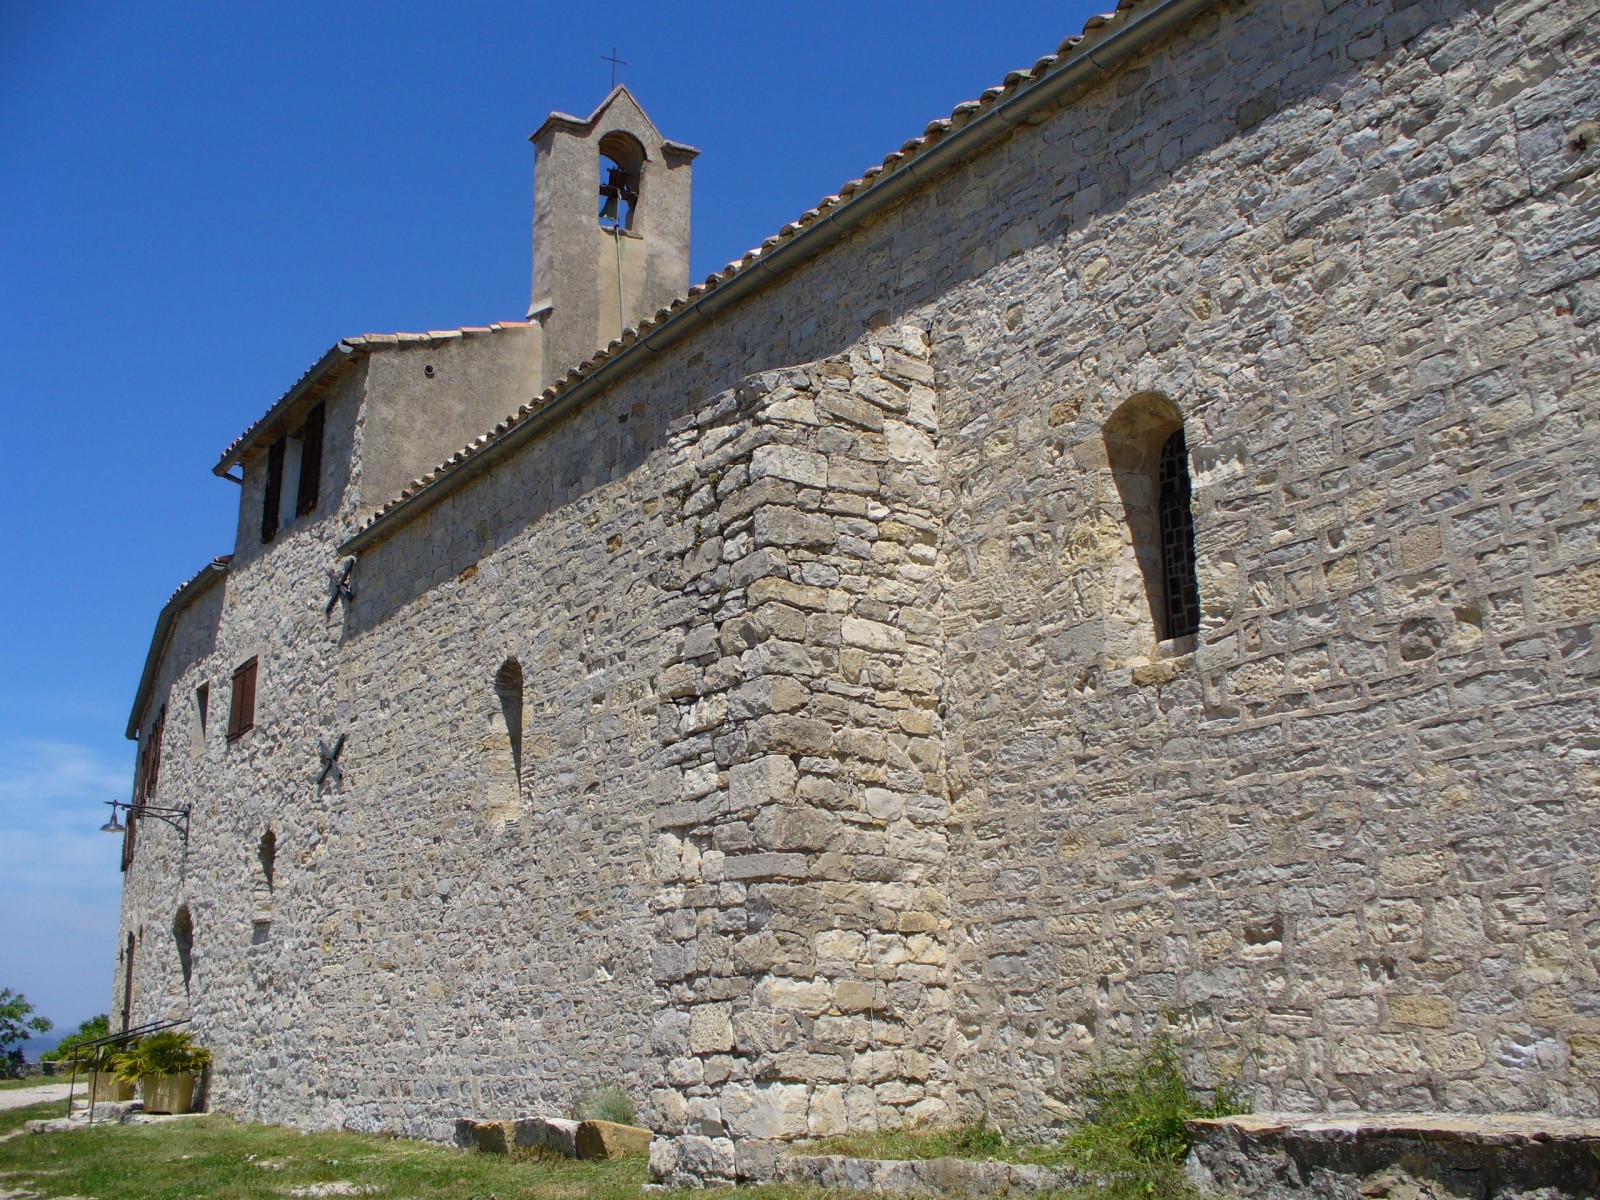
1359	1156
552	1133
777	526
805	467
606	1139
772	1110
494	1137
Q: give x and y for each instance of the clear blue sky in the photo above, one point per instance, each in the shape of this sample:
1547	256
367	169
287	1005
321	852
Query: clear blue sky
197	200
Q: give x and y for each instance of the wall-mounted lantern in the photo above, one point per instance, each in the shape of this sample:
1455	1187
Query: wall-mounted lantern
178	818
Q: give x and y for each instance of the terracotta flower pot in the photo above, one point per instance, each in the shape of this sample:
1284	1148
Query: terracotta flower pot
167	1093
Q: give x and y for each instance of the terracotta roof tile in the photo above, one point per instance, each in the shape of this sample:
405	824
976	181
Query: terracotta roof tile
340	352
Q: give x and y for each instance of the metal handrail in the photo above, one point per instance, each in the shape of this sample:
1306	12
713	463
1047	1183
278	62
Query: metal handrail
111	1039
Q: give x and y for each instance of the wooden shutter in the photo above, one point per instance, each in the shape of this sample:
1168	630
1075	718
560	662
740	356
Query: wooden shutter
153	772
242	704
274	491
310	462
129	833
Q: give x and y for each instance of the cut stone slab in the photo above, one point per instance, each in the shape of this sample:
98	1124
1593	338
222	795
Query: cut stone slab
498	1137
494	1137
553	1133
1427	1156
606	1139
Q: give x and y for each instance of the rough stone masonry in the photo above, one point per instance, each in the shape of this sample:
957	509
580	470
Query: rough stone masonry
778	713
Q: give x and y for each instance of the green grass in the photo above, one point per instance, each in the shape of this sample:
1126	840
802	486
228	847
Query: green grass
1134	1139
1133	1144
221	1159
967	1141
11	1085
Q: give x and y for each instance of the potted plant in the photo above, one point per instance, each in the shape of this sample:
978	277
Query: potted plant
167	1066
99	1063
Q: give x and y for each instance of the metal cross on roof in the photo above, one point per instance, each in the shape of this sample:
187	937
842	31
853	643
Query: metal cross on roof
615	63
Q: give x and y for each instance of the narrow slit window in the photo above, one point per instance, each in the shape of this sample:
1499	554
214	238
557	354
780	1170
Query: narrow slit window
127	980
265	873
1177	539
1148	454
183	939
505	783
267	854
198	716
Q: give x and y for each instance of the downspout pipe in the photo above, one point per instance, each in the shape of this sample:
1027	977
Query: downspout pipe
1078	70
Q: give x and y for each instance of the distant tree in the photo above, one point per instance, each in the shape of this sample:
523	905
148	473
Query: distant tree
17	1022
87	1031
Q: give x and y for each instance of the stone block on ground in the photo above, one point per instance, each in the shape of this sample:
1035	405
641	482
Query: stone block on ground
494	1137
1354	1156
552	1133
607	1139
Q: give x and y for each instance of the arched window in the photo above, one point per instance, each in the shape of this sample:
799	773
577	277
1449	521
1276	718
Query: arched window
183	938
266	866
621	171
505	781
127	980
1177	539
1149	459
267	856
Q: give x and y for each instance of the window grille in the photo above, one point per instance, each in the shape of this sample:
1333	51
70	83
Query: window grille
1177	540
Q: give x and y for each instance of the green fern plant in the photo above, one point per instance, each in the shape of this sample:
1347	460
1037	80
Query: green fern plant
166	1053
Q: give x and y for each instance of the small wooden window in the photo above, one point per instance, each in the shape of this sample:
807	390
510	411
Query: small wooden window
310	463
274	490
130	831
242	707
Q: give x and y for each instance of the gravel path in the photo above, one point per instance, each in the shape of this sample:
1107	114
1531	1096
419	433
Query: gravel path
23	1097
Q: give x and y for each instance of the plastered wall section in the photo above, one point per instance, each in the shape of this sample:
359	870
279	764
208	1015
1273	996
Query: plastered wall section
429	397
1343	841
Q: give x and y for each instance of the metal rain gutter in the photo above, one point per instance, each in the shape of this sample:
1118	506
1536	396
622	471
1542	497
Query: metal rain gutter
340	352
1082	68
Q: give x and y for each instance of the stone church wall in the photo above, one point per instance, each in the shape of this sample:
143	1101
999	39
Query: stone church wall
1344	841
854	788
243	995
